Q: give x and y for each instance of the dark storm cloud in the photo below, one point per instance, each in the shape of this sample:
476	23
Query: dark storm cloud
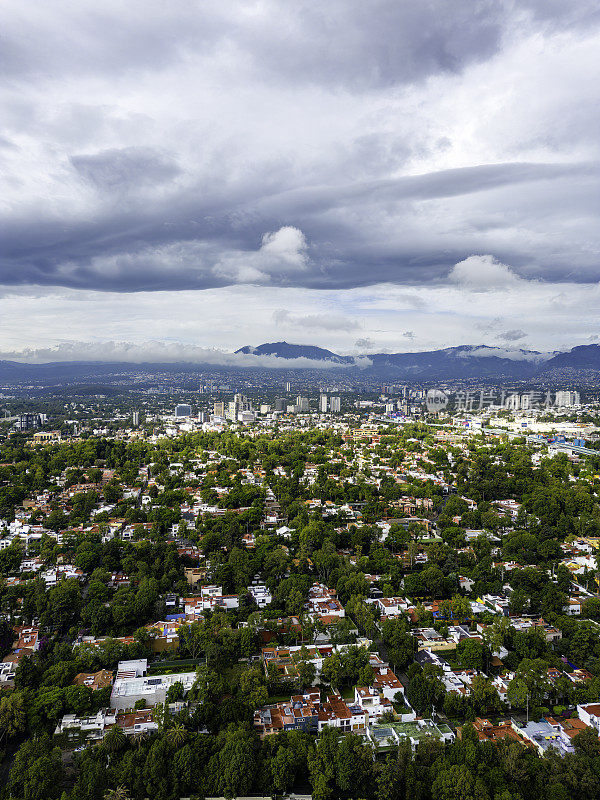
147	242
379	43
150	149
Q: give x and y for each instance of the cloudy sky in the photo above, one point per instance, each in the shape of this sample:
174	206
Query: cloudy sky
374	176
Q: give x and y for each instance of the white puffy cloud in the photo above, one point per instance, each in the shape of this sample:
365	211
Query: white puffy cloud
483	274
282	252
284	249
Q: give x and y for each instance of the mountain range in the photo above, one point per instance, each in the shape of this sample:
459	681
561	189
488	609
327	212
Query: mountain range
463	362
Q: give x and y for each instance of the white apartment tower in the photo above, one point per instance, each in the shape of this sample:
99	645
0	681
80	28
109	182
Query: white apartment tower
566	398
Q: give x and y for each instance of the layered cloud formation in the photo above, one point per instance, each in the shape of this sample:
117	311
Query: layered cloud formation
166	353
276	152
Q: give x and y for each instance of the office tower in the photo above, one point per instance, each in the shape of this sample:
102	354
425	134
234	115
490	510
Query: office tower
335	405
323	404
288	387
302	405
183	410
566	398
219	409
280	404
232	410
136	418
30	421
513	401
239	404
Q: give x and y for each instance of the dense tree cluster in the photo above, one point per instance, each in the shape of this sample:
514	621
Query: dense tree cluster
210	747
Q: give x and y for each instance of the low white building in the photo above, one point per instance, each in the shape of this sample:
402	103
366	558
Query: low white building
151	688
590	714
260	594
92	727
368	699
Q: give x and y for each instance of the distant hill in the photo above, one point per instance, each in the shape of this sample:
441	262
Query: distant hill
461	362
585	356
286	350
452	362
464	361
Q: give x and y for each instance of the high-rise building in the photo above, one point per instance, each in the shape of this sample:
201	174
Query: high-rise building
335	405
136	418
323	404
239	404
288	387
302	405
566	398
280	404
183	410
513	401
219	409
240	399
30	421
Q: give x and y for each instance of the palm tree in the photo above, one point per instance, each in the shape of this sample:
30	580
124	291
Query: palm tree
139	738
120	793
115	740
177	735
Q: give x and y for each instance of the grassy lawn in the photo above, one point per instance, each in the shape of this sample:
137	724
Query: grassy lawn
278	698
173	667
401	709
